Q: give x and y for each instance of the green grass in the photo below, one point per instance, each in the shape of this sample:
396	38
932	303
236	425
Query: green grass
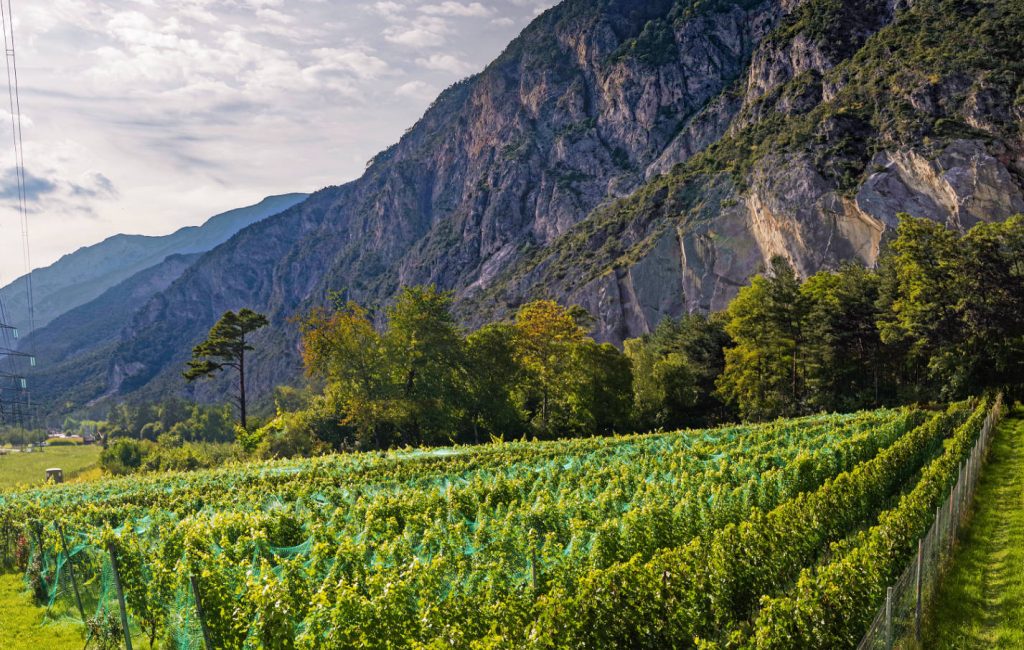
981	602
21	622
30	469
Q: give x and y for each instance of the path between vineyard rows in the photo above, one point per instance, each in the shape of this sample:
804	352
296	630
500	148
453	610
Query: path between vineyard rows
981	604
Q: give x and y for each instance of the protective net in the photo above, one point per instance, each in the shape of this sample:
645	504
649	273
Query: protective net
414	544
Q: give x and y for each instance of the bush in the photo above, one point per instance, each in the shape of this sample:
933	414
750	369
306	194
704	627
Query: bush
125	456
290	435
63	442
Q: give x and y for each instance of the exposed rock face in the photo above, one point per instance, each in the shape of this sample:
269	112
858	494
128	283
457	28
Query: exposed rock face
704	129
962	185
792	211
615	156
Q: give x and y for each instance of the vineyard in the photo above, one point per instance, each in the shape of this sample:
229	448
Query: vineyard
776	535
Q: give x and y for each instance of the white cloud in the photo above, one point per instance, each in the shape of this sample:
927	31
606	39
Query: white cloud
142	116
446	63
387	8
415	89
452	8
274	15
424	32
341	70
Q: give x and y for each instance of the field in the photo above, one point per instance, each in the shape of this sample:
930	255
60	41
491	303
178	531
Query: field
736	535
982	601
28	469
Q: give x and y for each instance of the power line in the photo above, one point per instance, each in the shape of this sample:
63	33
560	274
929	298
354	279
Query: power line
15	398
14	99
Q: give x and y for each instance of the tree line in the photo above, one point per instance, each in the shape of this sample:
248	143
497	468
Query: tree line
938	319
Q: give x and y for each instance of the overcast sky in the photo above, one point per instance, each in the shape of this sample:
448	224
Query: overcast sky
142	116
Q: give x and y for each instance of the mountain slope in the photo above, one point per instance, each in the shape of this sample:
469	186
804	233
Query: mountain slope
642	159
79	277
837	134
73	350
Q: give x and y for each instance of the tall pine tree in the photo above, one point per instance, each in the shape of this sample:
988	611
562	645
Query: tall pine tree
224	348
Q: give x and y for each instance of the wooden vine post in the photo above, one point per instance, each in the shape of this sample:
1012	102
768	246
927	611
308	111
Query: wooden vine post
120	597
71	571
888	618
917	609
194	581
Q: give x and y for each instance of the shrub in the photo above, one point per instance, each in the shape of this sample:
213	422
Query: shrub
124	456
63	442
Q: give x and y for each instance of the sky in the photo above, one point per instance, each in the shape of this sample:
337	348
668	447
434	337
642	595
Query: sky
143	116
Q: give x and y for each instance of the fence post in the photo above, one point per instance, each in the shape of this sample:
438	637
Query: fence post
917	609
969	498
71	571
952	526
199	610
888	618
959	497
120	596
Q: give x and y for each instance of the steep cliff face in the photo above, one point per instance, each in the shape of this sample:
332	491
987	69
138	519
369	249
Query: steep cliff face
791	210
832	134
642	159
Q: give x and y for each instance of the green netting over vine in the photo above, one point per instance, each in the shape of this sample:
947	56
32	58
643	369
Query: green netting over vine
455	548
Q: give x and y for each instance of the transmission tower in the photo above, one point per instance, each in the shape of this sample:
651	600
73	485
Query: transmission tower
15	399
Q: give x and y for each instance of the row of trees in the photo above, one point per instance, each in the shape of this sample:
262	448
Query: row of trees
21	437
939	318
170	435
174	417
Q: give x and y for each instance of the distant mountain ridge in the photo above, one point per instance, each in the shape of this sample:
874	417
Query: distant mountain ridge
79	277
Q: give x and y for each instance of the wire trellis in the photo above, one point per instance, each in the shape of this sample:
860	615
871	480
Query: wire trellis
899	621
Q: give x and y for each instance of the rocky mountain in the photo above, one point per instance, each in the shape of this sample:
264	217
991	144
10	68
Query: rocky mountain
641	158
79	277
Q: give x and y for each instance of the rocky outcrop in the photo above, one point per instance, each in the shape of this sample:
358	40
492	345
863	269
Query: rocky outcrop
791	210
961	185
704	129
